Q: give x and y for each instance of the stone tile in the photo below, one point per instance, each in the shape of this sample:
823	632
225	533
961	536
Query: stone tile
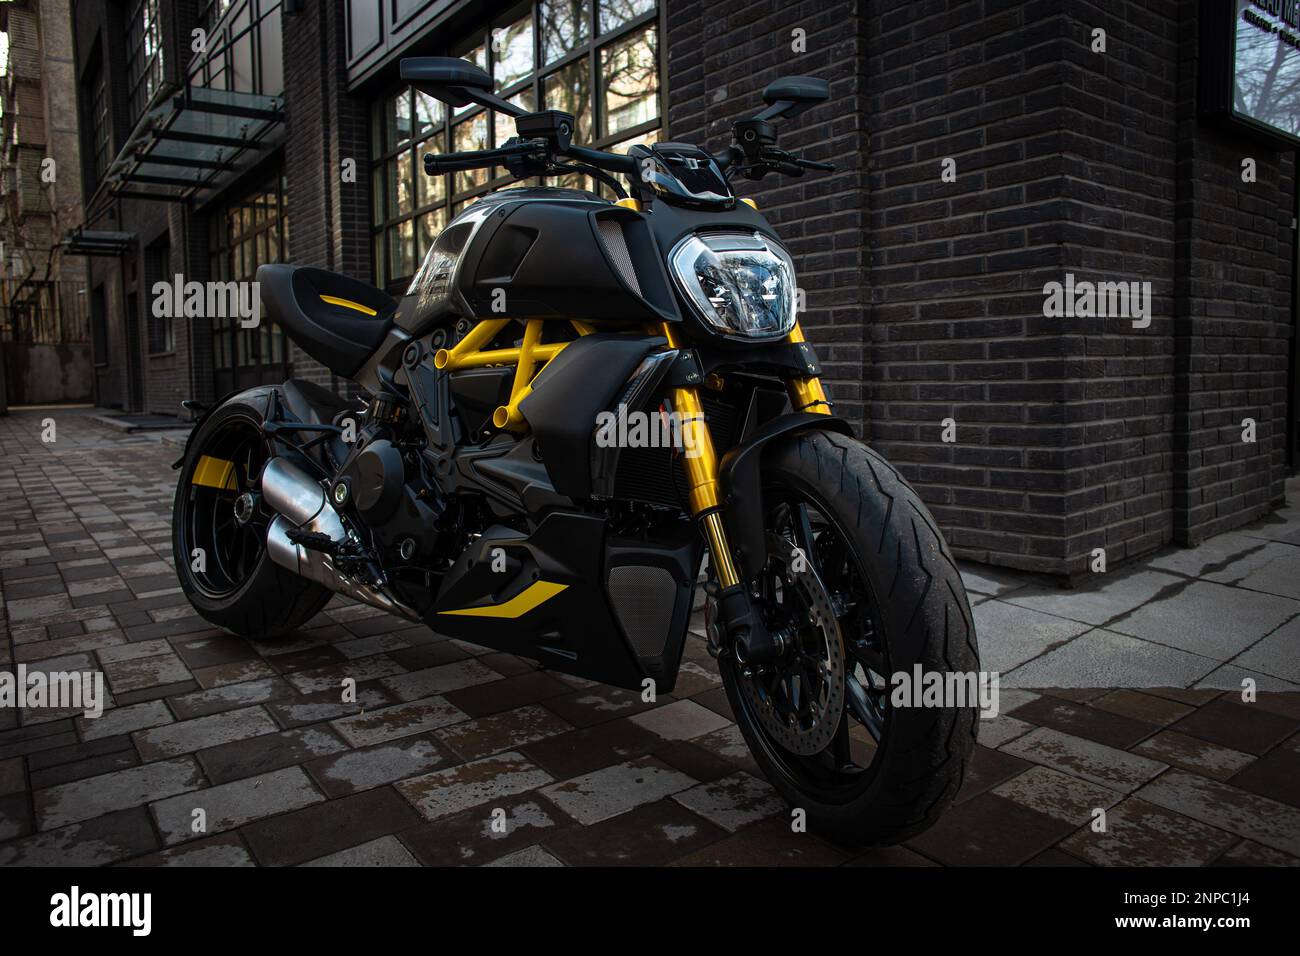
680	720
367	646
693	678
1232	678
400	720
1089	722
200	733
102	840
701	764
1227	808
1277	654
892	856
770	843
15	816
1250	853
530	856
989	581
1144	707
236	672
1140	834
989	831
124	719
1194	754
1101	658
1087	759
270	751
332	677
214	700
605	793
988	768
231	805
1010	635
1275	775
357	770
142	672
649	835
329	827
212	650
472	739
328	705
1208	619
1058	795
996	731
509	693
384	851
449	791
133	787
1104	597
225	849
12	778
1278	573
480	834
733	802
581	751
1243	727
438	680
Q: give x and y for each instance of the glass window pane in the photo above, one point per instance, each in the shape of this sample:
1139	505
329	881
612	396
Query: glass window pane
512	52
565	26
428	188
241	53
401	249
471	134
400	191
614	13
570	181
380	270
431	224
477	56
398	116
272	80
569	89
630	79
504	126
428	113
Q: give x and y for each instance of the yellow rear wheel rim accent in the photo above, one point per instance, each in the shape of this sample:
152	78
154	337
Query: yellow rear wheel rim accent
519	605
348	304
214	473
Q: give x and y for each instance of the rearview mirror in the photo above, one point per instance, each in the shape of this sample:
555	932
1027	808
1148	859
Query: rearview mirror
791	95
446	78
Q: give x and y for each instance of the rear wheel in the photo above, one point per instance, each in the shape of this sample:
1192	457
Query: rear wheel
861	586
219	527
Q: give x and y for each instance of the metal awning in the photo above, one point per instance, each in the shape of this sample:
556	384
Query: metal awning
194	142
97	242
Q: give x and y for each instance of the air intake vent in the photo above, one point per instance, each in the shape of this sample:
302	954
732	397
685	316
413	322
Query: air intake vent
644	598
611	234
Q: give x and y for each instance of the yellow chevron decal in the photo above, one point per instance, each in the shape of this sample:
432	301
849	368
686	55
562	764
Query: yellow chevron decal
214	473
519	605
348	304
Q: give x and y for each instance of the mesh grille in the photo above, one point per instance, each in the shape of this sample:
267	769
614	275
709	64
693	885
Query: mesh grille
611	234
643	598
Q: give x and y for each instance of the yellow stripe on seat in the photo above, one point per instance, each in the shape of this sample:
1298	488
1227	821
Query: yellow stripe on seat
517	606
348	304
214	473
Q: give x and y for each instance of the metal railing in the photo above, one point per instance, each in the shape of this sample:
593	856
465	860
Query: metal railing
50	313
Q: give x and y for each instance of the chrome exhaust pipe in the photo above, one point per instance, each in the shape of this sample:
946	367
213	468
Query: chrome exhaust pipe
299	503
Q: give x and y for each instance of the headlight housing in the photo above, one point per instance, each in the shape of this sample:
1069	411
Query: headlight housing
740	283
435	278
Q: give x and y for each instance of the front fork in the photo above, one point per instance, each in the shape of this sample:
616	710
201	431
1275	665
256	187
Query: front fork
741	622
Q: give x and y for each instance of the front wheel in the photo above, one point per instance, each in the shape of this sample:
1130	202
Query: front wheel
862	587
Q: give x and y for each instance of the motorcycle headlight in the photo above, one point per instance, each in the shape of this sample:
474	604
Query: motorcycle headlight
740	283
435	277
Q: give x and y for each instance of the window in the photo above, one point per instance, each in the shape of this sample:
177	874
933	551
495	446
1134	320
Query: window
99	326
144	49
244	49
250	232
96	106
157	268
596	60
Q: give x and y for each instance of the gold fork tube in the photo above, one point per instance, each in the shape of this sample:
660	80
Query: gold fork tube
806	393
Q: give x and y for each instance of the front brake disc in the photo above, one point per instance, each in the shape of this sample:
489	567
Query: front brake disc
818	635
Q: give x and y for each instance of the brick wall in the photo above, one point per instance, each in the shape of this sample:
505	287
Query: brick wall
720	56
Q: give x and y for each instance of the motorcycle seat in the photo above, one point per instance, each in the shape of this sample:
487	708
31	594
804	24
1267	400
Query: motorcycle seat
337	320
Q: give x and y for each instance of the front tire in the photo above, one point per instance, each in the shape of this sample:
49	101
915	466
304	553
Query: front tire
897	600
219	541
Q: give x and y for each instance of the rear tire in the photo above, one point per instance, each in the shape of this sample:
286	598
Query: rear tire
239	587
922	616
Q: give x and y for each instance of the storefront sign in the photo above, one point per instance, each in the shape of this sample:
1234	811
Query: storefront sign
1265	64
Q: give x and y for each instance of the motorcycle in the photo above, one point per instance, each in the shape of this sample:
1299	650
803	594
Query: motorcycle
574	403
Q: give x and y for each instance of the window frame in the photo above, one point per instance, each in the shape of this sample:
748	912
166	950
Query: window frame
453	200
145	74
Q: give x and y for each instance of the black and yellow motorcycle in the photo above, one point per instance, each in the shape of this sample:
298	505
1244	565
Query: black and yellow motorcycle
573	401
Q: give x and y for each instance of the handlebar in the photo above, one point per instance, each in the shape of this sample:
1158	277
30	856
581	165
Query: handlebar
435	163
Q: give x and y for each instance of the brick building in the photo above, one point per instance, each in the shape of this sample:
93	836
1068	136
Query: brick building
985	149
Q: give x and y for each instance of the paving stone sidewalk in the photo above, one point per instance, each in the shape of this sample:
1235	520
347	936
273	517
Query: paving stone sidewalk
448	741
